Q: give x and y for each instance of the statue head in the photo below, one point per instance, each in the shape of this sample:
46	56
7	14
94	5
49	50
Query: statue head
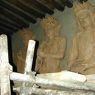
84	14
50	26
26	34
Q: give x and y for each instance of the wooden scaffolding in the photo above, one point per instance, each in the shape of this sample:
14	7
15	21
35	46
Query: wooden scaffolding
61	83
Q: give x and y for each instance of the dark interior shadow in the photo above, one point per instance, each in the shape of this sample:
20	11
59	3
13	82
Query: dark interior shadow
11	61
35	56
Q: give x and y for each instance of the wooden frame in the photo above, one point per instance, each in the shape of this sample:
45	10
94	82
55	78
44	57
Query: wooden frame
50	83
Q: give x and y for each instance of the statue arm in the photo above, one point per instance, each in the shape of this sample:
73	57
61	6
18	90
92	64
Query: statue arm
61	49
59	54
73	53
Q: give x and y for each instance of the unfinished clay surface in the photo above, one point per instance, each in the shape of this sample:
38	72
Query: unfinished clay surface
82	55
52	49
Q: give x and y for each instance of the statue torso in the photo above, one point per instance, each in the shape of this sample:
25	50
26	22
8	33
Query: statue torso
86	53
52	48
86	42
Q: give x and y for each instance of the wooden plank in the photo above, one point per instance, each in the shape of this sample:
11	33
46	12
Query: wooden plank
4	66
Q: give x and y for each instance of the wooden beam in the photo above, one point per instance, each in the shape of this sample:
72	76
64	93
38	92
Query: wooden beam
59	5
43	91
5	30
48	3
50	11
29	5
13	17
6	19
18	11
38	6
7	25
5	68
69	4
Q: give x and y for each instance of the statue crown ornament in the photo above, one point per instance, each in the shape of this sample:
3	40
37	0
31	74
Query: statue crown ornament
85	6
49	21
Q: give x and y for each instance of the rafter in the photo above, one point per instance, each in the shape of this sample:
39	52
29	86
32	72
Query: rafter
7	20
51	11
5	30
29	6
7	25
59	5
20	13
13	16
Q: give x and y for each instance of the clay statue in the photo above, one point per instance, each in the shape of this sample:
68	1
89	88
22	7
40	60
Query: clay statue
82	55
52	49
26	35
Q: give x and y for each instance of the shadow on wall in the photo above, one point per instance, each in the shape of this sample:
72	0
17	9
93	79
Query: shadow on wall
11	60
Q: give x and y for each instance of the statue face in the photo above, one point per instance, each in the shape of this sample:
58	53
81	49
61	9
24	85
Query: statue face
85	19
49	33
52	32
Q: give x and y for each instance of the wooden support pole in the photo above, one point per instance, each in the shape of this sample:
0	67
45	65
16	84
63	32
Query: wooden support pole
28	63
18	77
69	80
5	68
52	84
38	91
29	56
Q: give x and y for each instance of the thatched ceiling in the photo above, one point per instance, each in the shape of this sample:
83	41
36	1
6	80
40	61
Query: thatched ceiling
16	14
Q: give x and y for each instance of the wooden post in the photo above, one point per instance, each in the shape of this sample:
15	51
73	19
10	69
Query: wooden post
29	56
69	80
28	64
5	68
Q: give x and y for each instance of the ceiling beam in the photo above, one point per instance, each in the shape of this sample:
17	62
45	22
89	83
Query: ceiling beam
13	16
59	5
5	30
47	3
69	4
33	4
29	5
6	11
8	25
18	11
44	6
18	24
5	19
